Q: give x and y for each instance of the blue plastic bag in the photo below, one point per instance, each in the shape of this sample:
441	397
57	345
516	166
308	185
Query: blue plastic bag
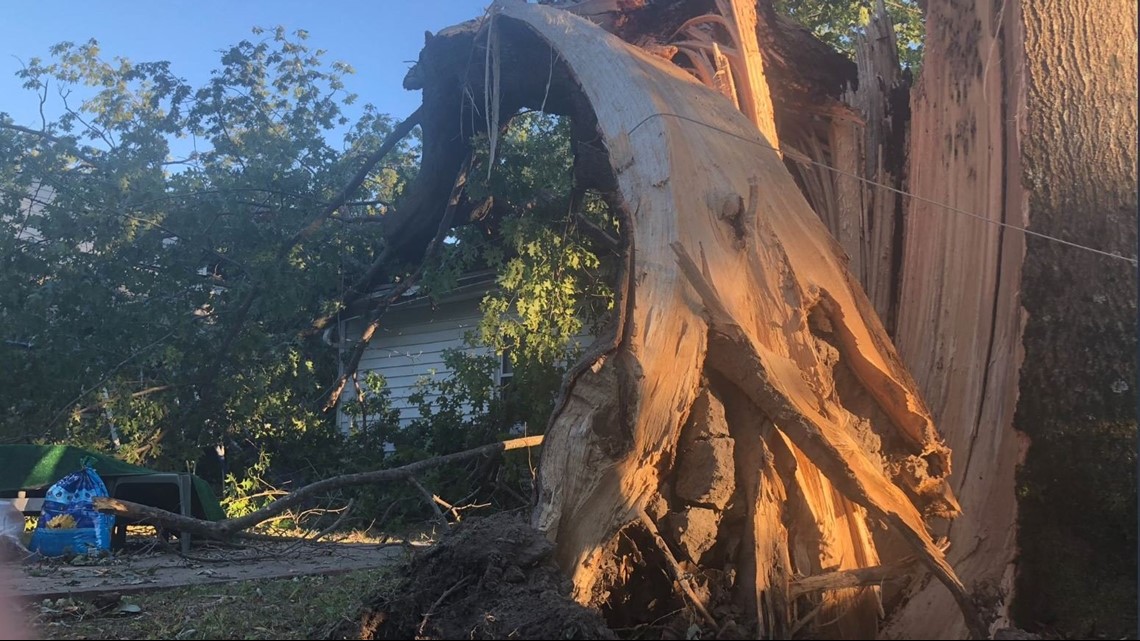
68	522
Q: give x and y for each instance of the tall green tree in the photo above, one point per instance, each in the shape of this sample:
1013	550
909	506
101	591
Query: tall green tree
137	223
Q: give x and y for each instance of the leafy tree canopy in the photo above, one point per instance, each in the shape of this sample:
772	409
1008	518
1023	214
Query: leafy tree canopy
127	266
124	265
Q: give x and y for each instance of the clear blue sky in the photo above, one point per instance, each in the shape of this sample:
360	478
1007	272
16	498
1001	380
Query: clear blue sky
379	38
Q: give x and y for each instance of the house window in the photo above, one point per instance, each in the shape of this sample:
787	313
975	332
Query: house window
505	374
506	371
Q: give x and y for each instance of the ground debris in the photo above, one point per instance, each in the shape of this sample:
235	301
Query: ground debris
490	578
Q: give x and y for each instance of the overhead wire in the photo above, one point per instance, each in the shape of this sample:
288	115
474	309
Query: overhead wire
797	157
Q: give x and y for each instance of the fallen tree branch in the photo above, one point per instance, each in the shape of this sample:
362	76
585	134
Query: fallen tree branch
393	139
227	528
429	498
450	508
377	312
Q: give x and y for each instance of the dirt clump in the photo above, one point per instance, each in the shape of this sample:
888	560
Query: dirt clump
489	578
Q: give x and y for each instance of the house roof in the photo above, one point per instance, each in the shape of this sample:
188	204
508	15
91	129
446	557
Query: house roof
473	284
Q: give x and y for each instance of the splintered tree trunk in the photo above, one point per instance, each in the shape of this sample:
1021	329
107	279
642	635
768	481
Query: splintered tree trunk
750	412
959	315
1025	115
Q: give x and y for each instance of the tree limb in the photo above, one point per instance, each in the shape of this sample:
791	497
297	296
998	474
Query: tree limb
227	528
599	235
357	219
377	312
400	132
362	286
50	138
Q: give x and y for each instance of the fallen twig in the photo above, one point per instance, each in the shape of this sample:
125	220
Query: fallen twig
446	593
319	535
429	498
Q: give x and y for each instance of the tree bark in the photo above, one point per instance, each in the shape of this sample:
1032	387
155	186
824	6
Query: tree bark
1026	115
1078	380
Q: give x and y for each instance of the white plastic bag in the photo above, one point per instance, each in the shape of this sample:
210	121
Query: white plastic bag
11	530
11	520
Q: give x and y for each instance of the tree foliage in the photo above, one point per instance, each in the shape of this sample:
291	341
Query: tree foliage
552	283
136	220
551	291
837	23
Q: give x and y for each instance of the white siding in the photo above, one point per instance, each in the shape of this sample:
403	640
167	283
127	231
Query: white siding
409	346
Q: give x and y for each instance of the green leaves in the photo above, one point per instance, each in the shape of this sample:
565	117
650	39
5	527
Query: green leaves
837	23
124	261
551	282
538	308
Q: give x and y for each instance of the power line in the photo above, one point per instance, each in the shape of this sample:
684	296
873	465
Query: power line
802	159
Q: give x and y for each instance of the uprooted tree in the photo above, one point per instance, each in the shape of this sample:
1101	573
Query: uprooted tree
745	421
745	405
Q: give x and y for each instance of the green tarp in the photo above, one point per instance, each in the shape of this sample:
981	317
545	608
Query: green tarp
32	467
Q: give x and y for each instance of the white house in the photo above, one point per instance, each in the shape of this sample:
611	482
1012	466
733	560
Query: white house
408	347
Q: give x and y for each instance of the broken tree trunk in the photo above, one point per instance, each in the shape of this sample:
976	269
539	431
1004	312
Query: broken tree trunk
1025	114
850	162
959	322
746	410
813	451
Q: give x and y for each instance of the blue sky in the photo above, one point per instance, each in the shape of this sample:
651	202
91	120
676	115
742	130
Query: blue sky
378	38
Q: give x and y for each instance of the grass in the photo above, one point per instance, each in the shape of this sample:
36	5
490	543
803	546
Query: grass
289	608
